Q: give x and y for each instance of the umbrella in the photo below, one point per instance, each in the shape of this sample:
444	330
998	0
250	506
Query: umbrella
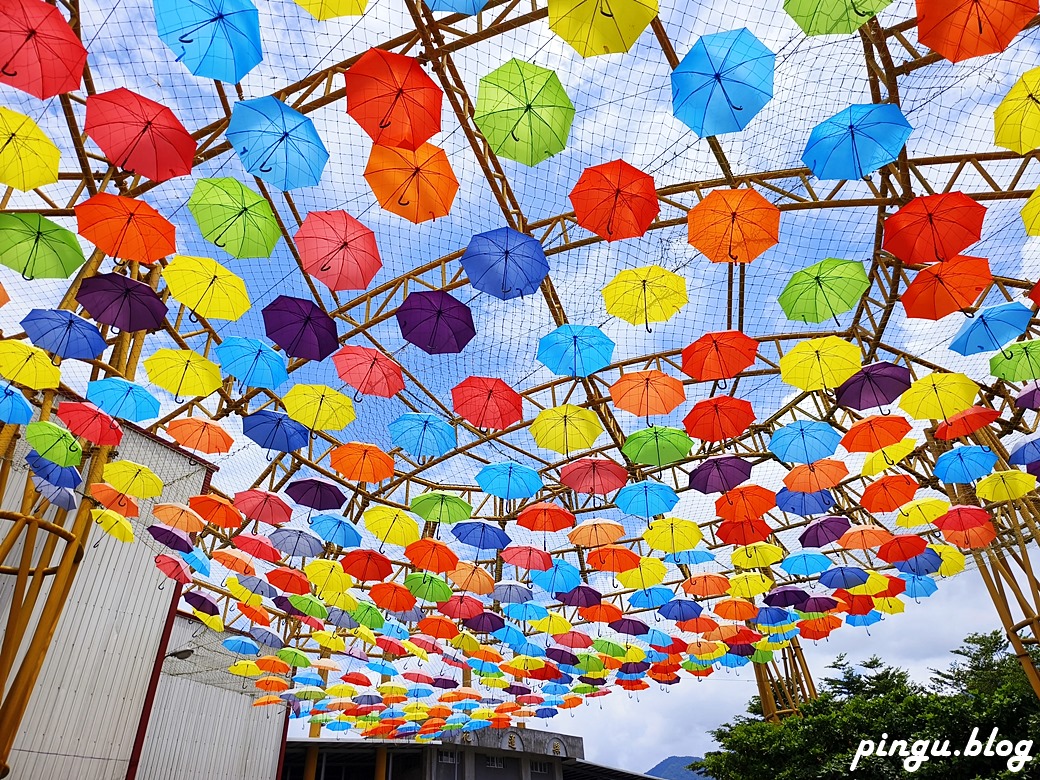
933	228
824	290
300	327
275	431
42	54
53	443
645	295
133	479
1016	118
464	7
804	504
263	506
487	402
575	350
966	423
946	287
113	524
722	82
657	446
37	248
593	476
391	525
125	228
14	409
323	10
991	328
566	428
646	499
438	507
63	497
252	362
820	363
183	371
720	474
215	39
964	464
672	534
338	250
596	28
366	565
296	542
206	287
646	393
234	218
28	158
362	462
717	356
938	396
417	185
509	480
523	112
833	17
733	226
436	322
857	141
276	143
139	135
959	29
483	536
369	371
393	99
505	263
877	384
824	531
59	476
27	366
319	407
820	475
63	333
1005	486
422	435
745	503
1018	363
1029	396
200	435
804	441
119	398
336	529
121	302
719	418
615	200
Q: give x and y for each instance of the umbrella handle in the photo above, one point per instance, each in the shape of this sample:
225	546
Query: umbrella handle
266	169
1006	355
969	314
513	134
185	39
358	396
326	267
8	73
162	585
604	9
402	202
193	317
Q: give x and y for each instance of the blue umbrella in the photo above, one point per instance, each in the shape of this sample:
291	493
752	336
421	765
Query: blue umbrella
857	141
805	564
467	7
509	480
215	39
575	350
483	536
862	621
296	543
558	578
922	564
991	328
724	80
266	637
646	499
732	661
804	441
336	529
59	476
843	577
64	334
690	557
275	431
965	464
919	587
257	585
242	645
123	399
773	616
341	619
14	409
276	143
422	435
340	725
1027	451
63	497
525	611
198	560
251	362
505	263
797	503
680	609
511	592
510	635
382	667
651	598
394	630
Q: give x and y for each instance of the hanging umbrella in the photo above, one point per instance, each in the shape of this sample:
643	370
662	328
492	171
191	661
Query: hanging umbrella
733	226
275	431
319	407
991	328
53	443
206	287
123	399
439	507
933	228
598	476
1018	363
234	218
113	524
125	228
804	504
719	418
323	10
27	366
745	503
824	531
820	363
575	350
252	362
297	543
215	39
523	112
887	457
121	302
183	371
645	295
62	497
857	141
646	499
464	7
615	200
657	445
959	29
722	82
263	506
599	28
487	402
393	99
300	327
200	435
673	535
276	143
338	250
566	428
417	185
366	565
42	55
965	423
645	393
877	384
133	479
14	409
336	529
28	158
1005	486
391	525
38	248
1017	119
505	263
833	17
422	435
964	464
63	334
509	480
816	476
59	476
717	356
937	396
804	441
946	287
824	290
483	536
369	371
362	462
720	474
435	322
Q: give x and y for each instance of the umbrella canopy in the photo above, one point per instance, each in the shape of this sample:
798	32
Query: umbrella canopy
252	362
438	507
319	407
63	334
37	248
575	350
593	476
369	371
991	328
946	287
857	141
804	441
959	29
215	39
300	327
719	418
122	302
393	99
824	290
593	28
323	10
965	423
833	17
27	366
717	356
276	143
200	435
524	112
275	431
505	263
42	54
820	363
125	228
720	474
183	371
566	428
120	398
234	218
645	393
722	82
733	226
338	250
646	499
53	443
316	493
28	158
878	384
644	295
657	446
206	287
509	480
417	185
362	462
14	409
422	435
133	479
1017	119
615	200
933	228
937	396
436	322
487	402
965	464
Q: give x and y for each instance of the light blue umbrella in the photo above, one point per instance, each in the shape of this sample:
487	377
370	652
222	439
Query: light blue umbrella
651	598
558	578
467	7
276	143
215	39
251	362
991	328
336	529
524	612
804	441
646	499
510	635
382	667
14	409
857	141
965	464
242	646
724	80
123	399
919	587
422	435
795	502
862	621
64	334
198	560
477	725
483	536
575	350
805	564
505	263
509	480
63	497
690	557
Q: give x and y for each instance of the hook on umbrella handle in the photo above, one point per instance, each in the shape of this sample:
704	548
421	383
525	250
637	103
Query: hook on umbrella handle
162	585
217	242
9	73
326	267
1007	355
185	39
385	122
402	202
514	135
193	318
96	544
27	278
604	9
266	169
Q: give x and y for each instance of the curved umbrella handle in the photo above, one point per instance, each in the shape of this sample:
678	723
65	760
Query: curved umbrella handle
326	267
266	169
604	9
185	39
9	73
402	202
515	137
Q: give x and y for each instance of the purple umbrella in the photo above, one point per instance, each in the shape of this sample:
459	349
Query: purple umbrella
878	384
122	302
596	681
1034	468
581	596
300	327
1029	397
435	322
413	615
667	680
64	497
824	531
818	604
445	683
786	596
341	619
629	626
173	538
316	494
202	602
266	637
562	656
257	585
485	623
745	650
633	667
719	475
517	690
296	542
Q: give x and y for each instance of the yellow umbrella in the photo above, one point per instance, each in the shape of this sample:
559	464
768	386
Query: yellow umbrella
323	10
495	682
113	524
28	158
212	622
749	585
817	364
183	371
27	366
921	511
389	524
319	407
600	26
876	583
566	428
329	640
953	560
242	593
672	535
634	654
1005	485
708	651
206	287
245	669
757	555
886	457
339	599
133	479
465	641
328	576
938	396
364	633
649	572
1031	214
644	295
415	650
890	605
1017	119
551	624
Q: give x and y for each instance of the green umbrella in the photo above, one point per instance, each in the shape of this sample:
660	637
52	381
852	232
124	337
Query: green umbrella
323	717
428	587
234	217
524	112
53	443
657	445
438	507
605	646
762	656
311	692
367	615
294	657
824	290
37	248
588	662
583	688
1018	363
695	665
309	605
833	17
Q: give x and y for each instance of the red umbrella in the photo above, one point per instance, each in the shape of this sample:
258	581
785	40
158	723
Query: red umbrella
576	640
902	547
337	250
366	565
594	475
544	516
125	228
743	532
461	607
719	418
719	355
289	580
391	597
139	135
174	568
263	506
86	420
487	402
932	228
615	200
530	558
965	423
889	493
946	287
875	432
258	546
393	99
368	371
41	54
746	502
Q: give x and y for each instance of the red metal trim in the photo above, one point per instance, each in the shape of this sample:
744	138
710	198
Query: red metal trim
281	750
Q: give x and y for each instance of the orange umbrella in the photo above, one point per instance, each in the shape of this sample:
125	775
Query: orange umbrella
965	423
472	578
863	537
125	228
4	297
810	477
179	516
706	586
614	558
596	533
747	502
644	393
217	510
438	627
417	185
255	614
392	597
946	287
876	432
615	200
362	462
733	226
719	418
889	493
272	684
959	29
544	516
720	355
235	560
110	498
743	532
431	555
272	664
601	613
735	609
289	580
200	435
698	624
